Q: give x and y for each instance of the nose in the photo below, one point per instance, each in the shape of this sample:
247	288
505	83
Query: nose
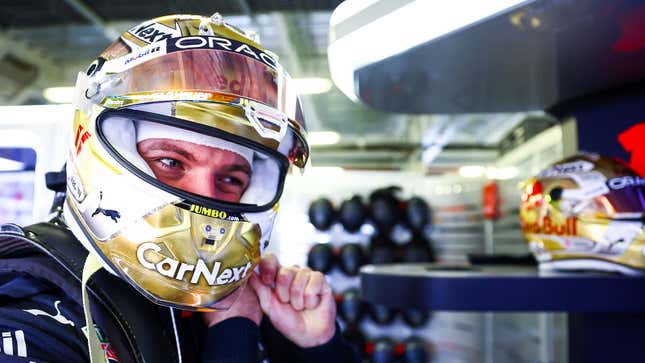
200	181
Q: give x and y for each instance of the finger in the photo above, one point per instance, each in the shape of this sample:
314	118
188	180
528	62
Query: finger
297	289
269	267
283	282
262	291
327	297
313	290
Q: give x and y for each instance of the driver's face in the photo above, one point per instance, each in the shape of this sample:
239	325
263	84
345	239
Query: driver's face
199	169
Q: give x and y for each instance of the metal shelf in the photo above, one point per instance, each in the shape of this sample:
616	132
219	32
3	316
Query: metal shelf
500	288
606	312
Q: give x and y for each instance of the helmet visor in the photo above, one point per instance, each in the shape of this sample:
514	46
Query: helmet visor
192	161
628	200
227	72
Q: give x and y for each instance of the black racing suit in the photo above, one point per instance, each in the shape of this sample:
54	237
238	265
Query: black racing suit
40	322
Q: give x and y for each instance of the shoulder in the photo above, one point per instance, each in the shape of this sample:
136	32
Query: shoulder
37	321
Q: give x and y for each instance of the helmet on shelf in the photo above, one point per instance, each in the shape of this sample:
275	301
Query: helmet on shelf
586	213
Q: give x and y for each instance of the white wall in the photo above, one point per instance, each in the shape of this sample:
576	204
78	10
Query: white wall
45	130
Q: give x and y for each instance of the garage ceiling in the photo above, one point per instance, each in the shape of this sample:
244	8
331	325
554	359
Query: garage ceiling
60	37
51	12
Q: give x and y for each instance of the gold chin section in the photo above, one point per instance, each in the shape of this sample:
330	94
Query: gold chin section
180	258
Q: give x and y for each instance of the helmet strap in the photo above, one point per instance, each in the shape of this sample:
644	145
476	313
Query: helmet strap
89	268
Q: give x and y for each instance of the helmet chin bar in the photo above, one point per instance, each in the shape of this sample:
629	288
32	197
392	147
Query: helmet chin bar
123	249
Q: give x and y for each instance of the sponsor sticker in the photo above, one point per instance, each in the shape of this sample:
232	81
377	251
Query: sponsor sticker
211	212
82	135
180	95
58	317
151	31
219	43
577	166
177	270
625	181
76	188
114	215
548	226
143	54
111	102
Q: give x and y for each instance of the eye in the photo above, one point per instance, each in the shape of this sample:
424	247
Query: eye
170	163
232	180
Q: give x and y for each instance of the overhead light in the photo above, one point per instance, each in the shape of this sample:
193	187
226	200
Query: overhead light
59	94
472	171
380	38
323	138
312	86
10	165
505	173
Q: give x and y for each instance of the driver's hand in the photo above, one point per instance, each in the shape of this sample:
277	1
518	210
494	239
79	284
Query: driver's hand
298	301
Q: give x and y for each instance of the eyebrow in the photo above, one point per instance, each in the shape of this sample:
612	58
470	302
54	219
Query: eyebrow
240	167
164	146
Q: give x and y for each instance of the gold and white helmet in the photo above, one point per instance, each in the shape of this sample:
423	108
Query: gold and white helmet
185	128
586	213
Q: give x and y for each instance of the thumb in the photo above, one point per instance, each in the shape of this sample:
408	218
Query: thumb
262	291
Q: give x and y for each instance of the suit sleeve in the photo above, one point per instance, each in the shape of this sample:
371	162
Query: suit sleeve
281	349
232	340
38	323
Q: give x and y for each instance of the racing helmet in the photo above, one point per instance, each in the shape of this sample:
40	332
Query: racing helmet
184	130
586	213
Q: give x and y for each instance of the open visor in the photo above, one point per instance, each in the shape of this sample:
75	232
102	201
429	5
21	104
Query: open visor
220	71
192	160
